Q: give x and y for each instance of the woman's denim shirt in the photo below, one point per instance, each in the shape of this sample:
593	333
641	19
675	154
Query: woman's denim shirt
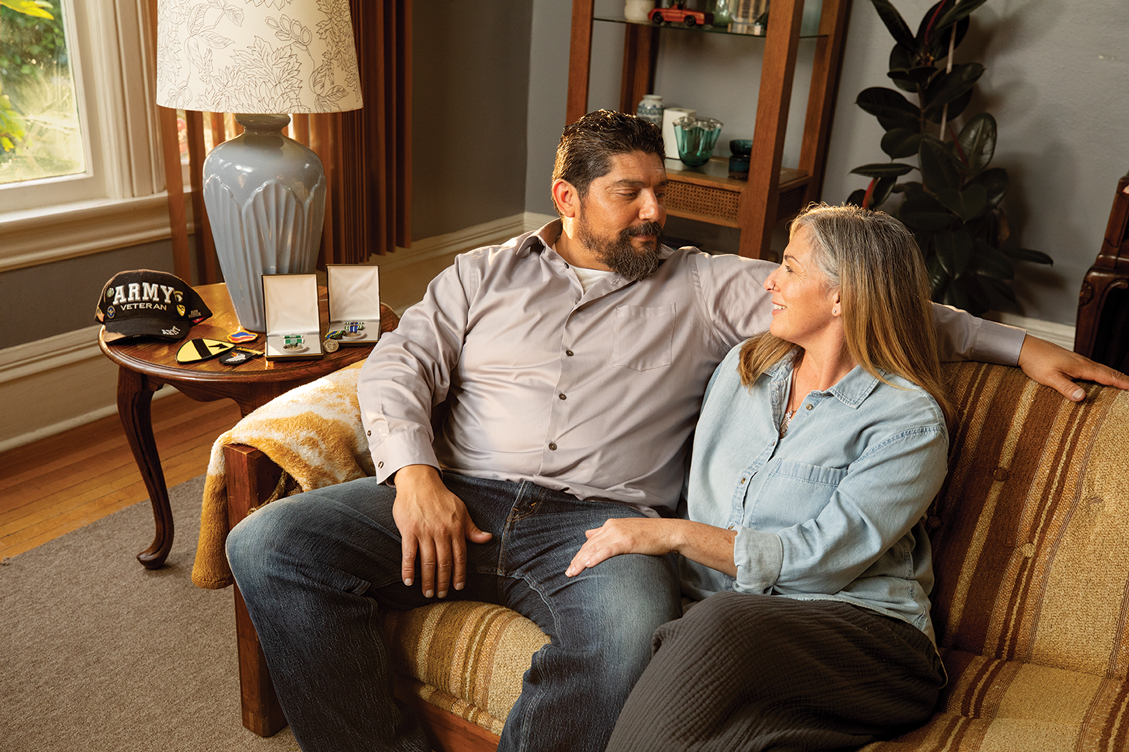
832	511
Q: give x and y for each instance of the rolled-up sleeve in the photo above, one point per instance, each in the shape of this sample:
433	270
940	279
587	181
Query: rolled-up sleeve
962	336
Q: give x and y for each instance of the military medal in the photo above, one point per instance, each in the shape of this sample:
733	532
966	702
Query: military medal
295	343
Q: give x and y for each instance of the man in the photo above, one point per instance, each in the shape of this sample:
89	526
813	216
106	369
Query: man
572	362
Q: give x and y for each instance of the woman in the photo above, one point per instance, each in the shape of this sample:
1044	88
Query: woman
820	445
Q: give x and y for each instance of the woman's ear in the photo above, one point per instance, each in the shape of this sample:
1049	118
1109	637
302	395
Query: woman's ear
836	304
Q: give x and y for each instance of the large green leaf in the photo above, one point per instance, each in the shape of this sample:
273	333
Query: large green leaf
995	182
882	189
939	168
938	277
1026	254
951	111
955	296
895	24
891	108
955	12
967	204
977	140
912	77
883	169
949	86
954	250
900	143
989	262
902	59
1000	287
856	197
923	213
978	299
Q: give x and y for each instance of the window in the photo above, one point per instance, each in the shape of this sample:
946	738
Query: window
40	133
113	195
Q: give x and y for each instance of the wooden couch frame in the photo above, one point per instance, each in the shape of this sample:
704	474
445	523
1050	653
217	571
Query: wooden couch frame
251	478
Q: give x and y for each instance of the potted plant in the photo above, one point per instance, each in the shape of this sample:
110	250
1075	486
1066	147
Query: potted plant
953	207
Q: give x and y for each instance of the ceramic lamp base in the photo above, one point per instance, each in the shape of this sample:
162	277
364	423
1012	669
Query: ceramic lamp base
265	195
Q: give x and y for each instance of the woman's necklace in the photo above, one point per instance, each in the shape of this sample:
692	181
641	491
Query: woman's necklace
791	411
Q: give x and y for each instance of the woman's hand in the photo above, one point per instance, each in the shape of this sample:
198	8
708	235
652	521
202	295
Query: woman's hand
630	535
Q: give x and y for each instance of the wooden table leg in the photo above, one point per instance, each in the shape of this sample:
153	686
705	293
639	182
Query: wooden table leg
135	395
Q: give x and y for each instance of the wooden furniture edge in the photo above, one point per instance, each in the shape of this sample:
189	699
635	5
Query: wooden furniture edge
251	478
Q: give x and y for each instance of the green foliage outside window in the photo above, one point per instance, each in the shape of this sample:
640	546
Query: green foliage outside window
39	132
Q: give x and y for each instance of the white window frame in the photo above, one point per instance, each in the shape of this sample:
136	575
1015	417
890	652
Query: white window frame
120	200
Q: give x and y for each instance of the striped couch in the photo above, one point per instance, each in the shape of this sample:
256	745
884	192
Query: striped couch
1031	543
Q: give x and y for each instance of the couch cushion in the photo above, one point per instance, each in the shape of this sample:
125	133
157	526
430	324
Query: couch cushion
465	657
993	705
1031	529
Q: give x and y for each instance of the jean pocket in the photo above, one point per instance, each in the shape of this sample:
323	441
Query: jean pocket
644	336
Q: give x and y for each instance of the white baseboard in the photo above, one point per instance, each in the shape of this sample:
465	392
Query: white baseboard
56	384
487	233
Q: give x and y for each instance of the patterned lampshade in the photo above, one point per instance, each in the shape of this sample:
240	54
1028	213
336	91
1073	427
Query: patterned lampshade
257	56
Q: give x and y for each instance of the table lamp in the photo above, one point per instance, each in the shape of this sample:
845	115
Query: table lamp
260	59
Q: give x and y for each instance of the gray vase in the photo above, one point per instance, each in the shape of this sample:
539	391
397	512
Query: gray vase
265	195
650	108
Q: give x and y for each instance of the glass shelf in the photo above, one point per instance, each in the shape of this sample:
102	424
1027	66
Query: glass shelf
804	32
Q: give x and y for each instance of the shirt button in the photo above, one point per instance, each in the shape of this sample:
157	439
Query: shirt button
368	433
743	481
807	407
561	396
568	353
380	464
552	446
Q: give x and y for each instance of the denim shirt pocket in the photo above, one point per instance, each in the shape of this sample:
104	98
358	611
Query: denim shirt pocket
644	336
805	489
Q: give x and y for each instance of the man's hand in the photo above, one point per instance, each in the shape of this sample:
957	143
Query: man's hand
434	523
1057	368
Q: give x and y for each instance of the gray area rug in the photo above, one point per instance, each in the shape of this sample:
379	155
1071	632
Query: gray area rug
99	654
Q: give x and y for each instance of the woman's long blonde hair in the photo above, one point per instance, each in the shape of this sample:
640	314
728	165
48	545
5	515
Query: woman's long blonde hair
874	262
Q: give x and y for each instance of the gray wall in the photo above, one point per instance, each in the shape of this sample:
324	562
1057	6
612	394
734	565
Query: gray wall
489	101
470	71
42	301
1056	83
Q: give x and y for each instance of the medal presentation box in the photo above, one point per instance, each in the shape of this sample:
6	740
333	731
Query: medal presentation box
354	303
291	307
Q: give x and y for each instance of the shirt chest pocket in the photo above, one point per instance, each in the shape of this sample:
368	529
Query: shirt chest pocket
798	491
644	336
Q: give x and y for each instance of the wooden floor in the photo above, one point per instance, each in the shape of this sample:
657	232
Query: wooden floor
63	482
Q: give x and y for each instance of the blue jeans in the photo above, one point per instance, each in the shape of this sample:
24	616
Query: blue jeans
315	570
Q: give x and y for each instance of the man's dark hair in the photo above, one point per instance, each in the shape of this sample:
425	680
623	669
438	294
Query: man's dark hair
587	146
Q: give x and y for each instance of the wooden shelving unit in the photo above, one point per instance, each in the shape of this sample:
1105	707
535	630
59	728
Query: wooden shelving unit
773	192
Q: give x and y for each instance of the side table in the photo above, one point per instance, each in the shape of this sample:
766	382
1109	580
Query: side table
146	365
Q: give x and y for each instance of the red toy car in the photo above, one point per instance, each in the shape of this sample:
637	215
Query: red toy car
677	13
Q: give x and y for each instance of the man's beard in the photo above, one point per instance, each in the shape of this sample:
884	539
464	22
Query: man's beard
620	255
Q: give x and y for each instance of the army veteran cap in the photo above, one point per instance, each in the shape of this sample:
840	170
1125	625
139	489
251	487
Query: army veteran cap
145	303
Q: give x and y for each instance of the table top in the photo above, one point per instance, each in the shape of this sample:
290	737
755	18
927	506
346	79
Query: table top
154	357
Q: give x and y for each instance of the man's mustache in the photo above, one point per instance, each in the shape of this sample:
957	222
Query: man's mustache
647	228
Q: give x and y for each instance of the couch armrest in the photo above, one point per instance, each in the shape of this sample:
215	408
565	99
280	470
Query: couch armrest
251	478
